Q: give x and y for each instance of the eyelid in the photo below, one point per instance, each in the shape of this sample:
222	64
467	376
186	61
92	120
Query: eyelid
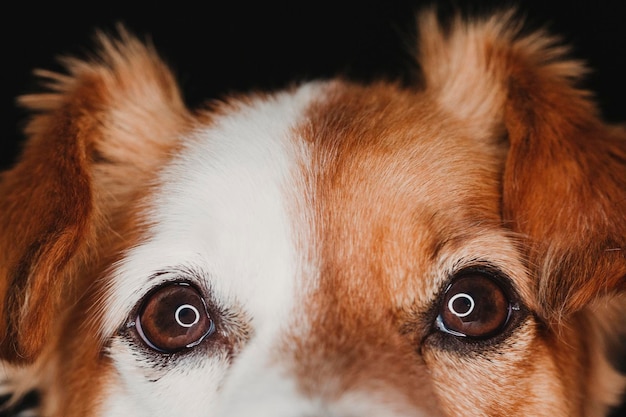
485	268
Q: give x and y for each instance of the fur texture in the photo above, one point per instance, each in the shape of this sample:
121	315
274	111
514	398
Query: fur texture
322	227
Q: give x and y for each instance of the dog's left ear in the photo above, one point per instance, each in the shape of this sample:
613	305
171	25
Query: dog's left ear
564	180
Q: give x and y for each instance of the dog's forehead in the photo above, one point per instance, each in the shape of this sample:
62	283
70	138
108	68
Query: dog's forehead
328	187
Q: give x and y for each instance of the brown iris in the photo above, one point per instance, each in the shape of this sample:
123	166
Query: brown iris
174	317
474	306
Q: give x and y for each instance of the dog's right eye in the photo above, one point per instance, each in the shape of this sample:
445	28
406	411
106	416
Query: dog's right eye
474	306
174	317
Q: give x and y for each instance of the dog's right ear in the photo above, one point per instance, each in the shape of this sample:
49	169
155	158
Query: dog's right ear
94	141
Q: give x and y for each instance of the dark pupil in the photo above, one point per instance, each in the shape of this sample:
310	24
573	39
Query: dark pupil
174	317
186	315
475	306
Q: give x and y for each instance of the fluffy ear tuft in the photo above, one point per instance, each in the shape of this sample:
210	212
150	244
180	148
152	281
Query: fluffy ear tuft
95	139
468	63
564	181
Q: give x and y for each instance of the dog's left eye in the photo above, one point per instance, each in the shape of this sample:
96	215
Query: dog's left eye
174	317
475	306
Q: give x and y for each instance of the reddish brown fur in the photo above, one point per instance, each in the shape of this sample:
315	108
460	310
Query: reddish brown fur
399	177
560	152
373	231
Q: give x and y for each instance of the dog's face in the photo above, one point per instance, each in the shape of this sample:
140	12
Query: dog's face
454	248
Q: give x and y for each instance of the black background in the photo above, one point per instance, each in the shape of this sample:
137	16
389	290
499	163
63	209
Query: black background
216	48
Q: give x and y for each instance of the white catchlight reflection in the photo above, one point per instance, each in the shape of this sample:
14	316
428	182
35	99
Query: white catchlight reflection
183	307
456	297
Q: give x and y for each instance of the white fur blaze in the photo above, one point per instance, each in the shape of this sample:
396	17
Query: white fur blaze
222	217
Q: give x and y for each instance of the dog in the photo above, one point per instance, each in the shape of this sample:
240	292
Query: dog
453	247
